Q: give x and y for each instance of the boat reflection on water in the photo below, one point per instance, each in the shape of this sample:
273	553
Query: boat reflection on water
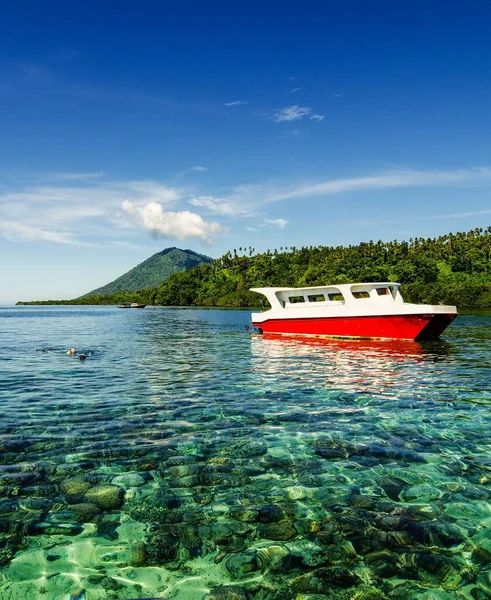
355	365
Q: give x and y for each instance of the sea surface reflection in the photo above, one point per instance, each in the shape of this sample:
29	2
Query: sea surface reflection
186	458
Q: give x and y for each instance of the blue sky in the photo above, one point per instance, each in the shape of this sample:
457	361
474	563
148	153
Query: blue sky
129	127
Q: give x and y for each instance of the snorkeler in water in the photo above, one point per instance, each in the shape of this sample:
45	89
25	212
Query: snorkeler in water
82	355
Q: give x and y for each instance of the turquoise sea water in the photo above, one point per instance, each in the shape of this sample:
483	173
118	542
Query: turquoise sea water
188	458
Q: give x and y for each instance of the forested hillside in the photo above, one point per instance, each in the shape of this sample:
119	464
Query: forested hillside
152	271
452	269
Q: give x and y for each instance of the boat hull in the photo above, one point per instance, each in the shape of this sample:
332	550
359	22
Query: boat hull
392	327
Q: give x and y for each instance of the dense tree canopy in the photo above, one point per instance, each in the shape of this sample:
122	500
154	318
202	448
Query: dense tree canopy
451	269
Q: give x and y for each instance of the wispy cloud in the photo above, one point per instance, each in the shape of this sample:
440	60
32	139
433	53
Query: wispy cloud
74	176
237	103
438	217
98	211
403	178
85	213
296	89
246	200
294	113
15	232
280	223
218	206
152	191
199	168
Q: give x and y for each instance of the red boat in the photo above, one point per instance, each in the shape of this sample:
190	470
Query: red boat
357	311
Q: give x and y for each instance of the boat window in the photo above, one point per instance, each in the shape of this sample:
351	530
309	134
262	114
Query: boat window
317	298
361	294
336	297
383	291
296	299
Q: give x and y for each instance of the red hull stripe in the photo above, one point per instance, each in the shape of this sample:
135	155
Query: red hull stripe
402	327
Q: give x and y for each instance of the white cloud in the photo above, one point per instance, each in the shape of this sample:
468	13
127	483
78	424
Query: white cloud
294	113
199	168
280	223
237	103
181	225
296	89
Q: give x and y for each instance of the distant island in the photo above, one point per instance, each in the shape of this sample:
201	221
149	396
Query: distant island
450	269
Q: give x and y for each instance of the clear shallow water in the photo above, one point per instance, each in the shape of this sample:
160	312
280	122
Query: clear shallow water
186	458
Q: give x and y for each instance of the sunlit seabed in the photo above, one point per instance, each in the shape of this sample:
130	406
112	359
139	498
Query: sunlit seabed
189	459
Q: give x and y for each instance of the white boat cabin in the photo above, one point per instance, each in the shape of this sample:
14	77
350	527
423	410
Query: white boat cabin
357	294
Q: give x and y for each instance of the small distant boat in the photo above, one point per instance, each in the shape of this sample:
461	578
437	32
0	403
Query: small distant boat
353	311
131	305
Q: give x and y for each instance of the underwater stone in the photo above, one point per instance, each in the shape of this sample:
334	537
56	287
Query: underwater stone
85	511
240	566
392	486
138	554
74	486
331	453
277	531
227	592
161	549
321	580
244	449
360	501
422	493
269	514
128	480
309	554
107	497
383	563
484	581
272	558
482	552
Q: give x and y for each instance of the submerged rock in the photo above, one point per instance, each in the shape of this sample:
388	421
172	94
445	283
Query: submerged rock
482	552
242	565
277	531
74	486
128	480
227	592
321	580
106	497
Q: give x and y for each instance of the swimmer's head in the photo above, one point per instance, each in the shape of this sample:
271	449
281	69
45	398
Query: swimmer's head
72	351
82	357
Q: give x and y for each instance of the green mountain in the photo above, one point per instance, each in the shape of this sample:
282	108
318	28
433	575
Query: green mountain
153	271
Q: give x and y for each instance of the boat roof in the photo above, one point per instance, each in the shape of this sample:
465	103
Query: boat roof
261	290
